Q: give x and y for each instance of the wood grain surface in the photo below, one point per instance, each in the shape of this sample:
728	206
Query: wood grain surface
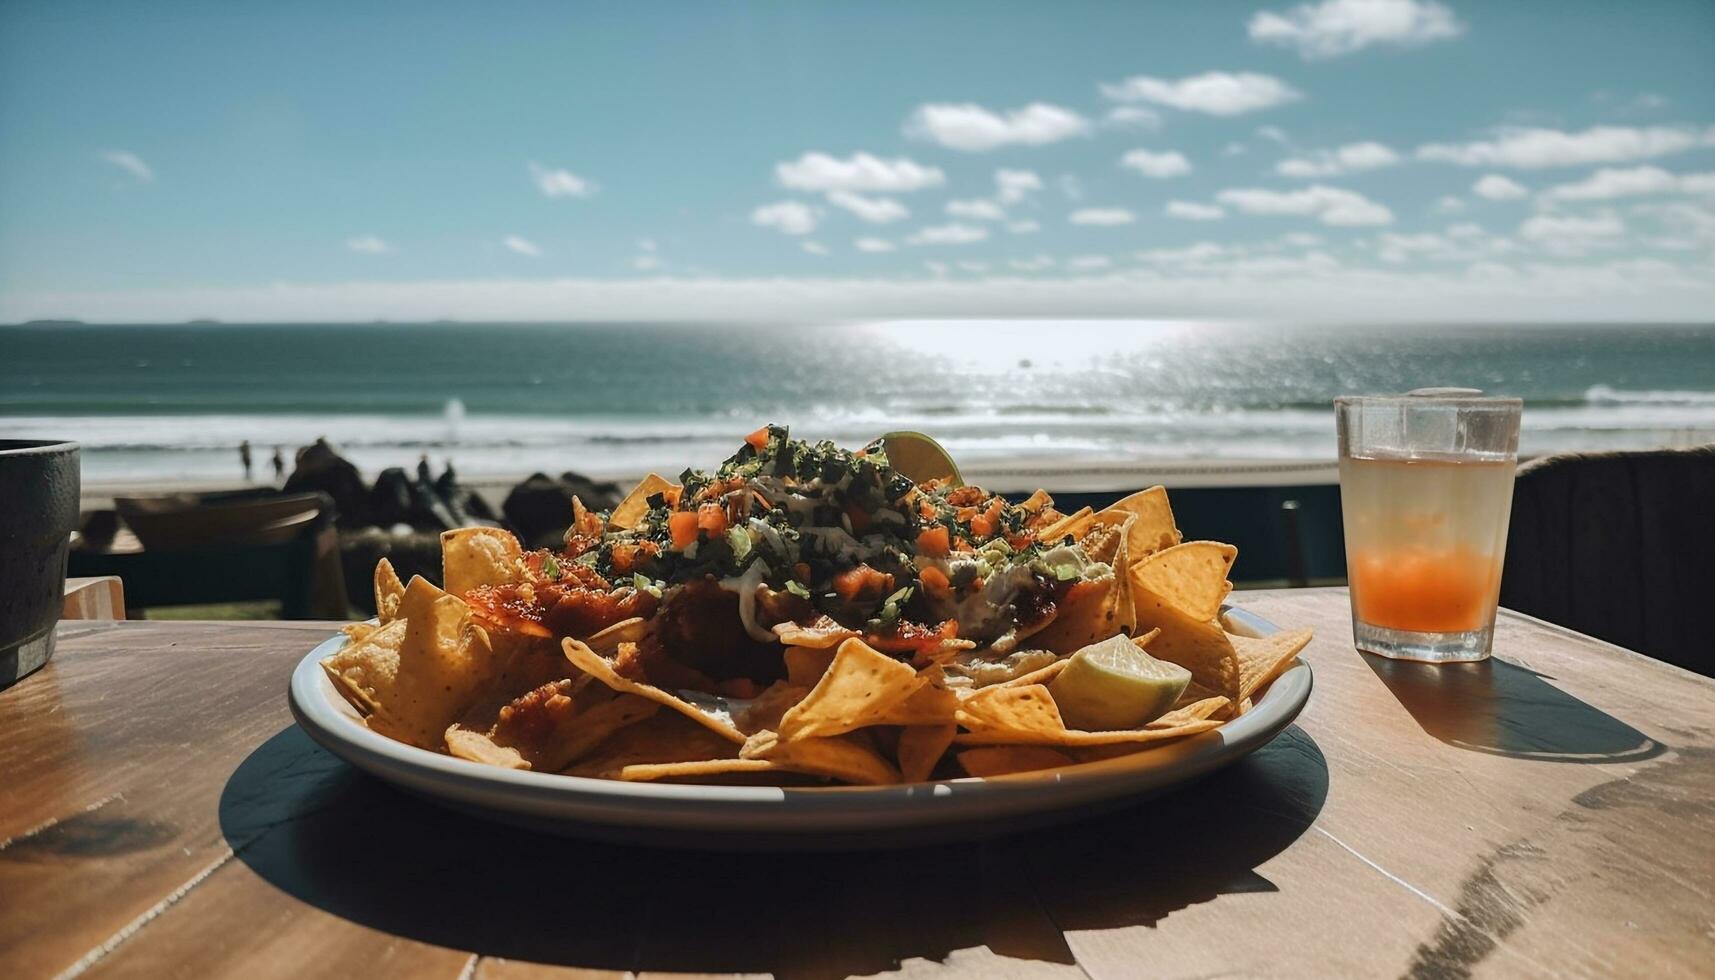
1551	812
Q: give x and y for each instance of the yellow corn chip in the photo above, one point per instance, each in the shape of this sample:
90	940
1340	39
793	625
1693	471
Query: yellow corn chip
1192	577
920	748
999	760
636	503
806	665
705	769
388	592
548	728
1200	646
1154	529
420	672
710	711
1263	659
1074	524
861	686
1028	716
476	556
844	757
820	635
666	737
1102	611
606	641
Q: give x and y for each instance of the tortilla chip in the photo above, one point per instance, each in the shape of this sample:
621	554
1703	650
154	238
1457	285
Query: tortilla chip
607	640
710	711
1192	576
636	503
999	760
550	727
388	592
420	672
1036	502
861	686
1263	659
1028	716
367	665
703	770
358	632
476	556
1154	529
844	757
666	737
806	665
1101	612
1200	646
921	748
820	635
1074	524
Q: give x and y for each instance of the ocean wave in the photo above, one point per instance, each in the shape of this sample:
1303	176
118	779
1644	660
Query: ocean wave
1605	395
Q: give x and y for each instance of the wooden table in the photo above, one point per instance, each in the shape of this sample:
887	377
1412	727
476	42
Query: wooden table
1549	813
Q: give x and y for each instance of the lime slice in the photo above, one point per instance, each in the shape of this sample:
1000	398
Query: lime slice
1113	686
920	458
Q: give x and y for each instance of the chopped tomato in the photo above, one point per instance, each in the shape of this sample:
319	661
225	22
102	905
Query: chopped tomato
914	638
683	526
965	497
759	439
627	556
935	581
1022	540
858	517
985	524
933	541
862	582
802	572
711	518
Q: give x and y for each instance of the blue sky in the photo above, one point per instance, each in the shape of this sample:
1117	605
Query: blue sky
1381	159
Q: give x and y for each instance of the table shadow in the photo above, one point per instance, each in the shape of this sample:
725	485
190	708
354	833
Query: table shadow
1503	709
353	846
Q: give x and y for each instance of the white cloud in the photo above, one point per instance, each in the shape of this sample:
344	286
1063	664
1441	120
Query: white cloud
1217	93
1132	117
1234	149
560	183
1311	287
939	269
1024	227
521	245
1351	158
1033	264
814	248
950	234
1573	234
970	266
1337	27
1329	205
1012	186
646	263
860	172
646	244
1101	216
131	163
1169	164
1449	204
973	128
874	245
1301	239
875	210
1497	187
976	210
1070	186
1200	252
1536	148
790	217
1192	211
1088	263
1466	229
1609	183
368	245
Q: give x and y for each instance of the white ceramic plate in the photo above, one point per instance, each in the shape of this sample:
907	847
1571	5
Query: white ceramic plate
766	817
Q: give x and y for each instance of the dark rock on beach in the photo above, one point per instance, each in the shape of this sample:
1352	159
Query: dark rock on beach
320	468
540	508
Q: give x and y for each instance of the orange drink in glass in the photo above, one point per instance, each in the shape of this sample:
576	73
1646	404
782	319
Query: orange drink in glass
1426	485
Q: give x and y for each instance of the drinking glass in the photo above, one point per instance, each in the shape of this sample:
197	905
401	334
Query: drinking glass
1426	488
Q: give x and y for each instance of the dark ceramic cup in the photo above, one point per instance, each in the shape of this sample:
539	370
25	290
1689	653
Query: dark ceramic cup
39	487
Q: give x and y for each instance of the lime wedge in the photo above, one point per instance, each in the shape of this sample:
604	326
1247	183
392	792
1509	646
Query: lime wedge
920	458
1113	685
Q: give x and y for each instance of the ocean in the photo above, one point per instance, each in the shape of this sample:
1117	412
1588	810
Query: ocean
172	402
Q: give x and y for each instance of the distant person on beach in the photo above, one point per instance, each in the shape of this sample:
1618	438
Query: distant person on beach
279	465
423	475
244	457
